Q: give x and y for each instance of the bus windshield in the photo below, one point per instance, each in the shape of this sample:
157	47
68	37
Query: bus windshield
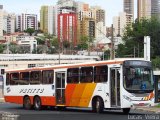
138	79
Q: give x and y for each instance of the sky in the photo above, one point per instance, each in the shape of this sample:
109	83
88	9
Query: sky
111	7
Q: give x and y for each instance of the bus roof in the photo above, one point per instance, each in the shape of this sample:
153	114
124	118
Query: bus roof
61	66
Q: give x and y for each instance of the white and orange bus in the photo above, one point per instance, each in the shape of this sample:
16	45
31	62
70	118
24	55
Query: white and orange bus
117	84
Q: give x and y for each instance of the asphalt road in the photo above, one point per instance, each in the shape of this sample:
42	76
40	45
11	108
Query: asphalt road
18	113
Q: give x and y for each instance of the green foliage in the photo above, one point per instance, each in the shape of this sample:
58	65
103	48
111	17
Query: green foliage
2	47
40	40
30	31
156	62
134	38
84	42
66	44
55	43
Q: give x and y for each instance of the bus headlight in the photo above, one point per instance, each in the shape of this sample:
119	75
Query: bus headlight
127	98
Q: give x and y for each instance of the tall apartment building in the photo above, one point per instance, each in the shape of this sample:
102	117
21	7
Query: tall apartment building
9	24
155	8
94	13
144	9
88	27
81	6
100	16
48	19
67	28
120	22
44	18
18	22
51	20
1	20
116	25
69	5
128	7
25	21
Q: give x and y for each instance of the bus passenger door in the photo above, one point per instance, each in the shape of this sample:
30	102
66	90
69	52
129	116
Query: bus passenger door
60	79
115	87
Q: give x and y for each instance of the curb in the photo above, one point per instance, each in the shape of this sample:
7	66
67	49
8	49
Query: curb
152	109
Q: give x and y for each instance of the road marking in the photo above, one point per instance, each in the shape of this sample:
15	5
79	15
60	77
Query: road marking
8	116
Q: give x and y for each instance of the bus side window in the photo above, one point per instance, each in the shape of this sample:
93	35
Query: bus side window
47	77
73	75
35	77
100	74
14	78
86	75
24	78
7	79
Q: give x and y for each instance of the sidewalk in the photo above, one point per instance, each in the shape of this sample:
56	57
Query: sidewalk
2	100
155	109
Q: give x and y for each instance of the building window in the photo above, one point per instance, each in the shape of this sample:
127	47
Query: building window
31	65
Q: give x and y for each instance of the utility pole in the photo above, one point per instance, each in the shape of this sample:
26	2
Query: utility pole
112	54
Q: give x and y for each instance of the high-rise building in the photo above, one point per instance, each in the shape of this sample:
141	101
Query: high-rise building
67	28
144	9
116	25
120	22
1	20
155	8
25	21
44	18
128	6
81	6
88	27
29	21
100	16
18	22
48	18
9	23
69	5
51	20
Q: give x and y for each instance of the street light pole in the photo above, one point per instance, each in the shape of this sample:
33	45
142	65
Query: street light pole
112	46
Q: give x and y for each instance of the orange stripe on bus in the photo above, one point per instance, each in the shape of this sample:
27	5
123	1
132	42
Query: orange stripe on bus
87	94
69	92
78	91
14	99
46	100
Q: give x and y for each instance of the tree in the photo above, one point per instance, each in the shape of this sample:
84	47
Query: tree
40	40
134	38
30	31
83	43
66	45
55	43
1	48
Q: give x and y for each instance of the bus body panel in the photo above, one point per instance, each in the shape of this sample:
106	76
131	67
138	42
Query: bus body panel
16	93
79	94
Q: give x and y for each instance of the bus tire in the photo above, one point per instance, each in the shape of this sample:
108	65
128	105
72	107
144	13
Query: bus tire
27	103
126	111
37	103
98	105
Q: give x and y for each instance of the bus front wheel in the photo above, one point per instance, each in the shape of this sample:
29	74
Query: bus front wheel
37	103
27	103
98	105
